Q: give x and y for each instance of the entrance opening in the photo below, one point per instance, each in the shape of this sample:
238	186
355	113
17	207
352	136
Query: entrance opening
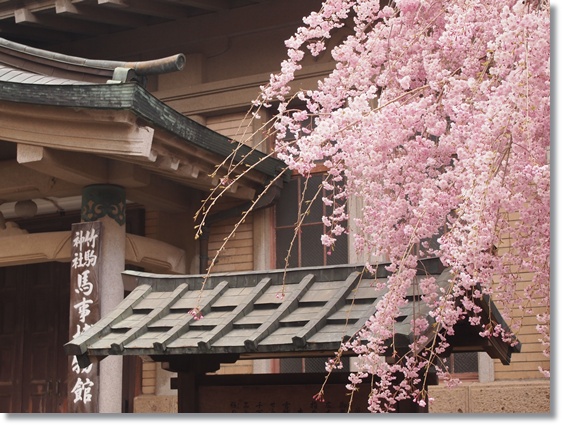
34	303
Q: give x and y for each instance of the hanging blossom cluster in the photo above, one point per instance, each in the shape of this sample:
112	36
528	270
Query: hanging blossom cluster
436	117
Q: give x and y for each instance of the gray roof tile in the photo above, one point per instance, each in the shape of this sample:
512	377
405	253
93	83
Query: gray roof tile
242	313
14	75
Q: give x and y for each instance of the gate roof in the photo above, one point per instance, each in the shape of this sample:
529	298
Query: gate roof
303	312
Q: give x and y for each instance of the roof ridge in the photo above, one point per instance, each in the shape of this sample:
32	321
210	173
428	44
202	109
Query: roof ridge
155	66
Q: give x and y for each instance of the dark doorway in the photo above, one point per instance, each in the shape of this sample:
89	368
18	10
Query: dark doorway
34	320
34	303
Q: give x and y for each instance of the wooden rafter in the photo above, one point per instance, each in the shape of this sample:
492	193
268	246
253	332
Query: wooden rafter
147	7
84	12
26	16
47	22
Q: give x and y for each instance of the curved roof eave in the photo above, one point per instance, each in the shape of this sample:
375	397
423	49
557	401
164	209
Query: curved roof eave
79	69
134	98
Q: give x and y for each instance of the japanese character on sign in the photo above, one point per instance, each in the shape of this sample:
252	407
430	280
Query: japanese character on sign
86	259
83	308
87	238
82	391
80	330
84	285
86	243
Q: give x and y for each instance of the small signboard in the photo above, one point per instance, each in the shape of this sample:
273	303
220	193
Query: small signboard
83	383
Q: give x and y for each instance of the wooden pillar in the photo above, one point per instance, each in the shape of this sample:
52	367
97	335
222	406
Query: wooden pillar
191	369
188	395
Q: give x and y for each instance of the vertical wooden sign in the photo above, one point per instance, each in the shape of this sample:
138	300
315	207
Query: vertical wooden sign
83	383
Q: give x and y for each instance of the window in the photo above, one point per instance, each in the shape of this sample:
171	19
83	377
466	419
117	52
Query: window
463	365
306	249
308	365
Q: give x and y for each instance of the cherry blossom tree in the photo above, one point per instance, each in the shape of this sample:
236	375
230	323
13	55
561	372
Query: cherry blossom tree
436	117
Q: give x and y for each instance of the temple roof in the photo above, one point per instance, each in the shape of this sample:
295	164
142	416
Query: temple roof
8	73
20	63
245	314
83	121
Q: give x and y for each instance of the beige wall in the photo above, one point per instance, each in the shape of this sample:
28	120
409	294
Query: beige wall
513	397
524	365
499	397
238	252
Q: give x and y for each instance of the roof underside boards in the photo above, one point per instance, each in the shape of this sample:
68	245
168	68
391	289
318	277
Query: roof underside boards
244	313
121	127
51	22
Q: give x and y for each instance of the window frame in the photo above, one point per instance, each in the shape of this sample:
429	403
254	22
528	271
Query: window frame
298	249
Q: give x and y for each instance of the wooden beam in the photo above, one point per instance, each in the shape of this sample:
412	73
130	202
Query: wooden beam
127	175
167	163
82	168
211	5
7	11
165	195
196	363
95	14
26	17
78	168
188	392
147	7
43	35
21	247
69	171
75	130
191	175
18	183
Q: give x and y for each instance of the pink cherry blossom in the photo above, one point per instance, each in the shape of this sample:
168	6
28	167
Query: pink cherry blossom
437	115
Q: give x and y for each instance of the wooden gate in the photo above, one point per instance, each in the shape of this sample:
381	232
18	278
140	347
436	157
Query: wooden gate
34	303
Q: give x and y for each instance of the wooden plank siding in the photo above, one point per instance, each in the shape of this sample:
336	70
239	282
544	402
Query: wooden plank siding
234	126
524	365
150	223
238	254
243	128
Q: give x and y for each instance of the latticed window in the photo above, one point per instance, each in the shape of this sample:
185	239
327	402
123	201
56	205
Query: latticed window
308	365
464	365
305	249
